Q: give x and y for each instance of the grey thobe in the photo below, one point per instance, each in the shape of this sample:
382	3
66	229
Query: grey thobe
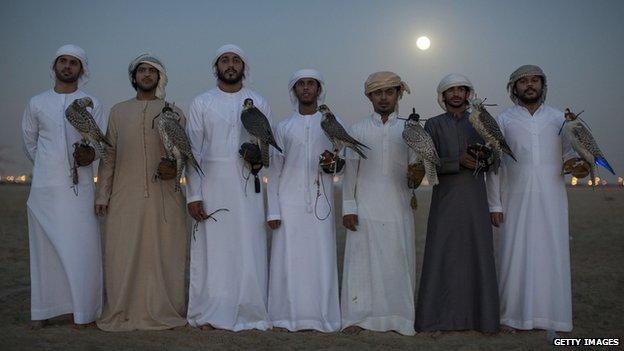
458	288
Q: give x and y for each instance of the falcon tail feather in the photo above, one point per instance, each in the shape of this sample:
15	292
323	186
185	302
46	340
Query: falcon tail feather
359	151
360	144
507	150
105	140
274	144
431	173
264	153
195	165
601	161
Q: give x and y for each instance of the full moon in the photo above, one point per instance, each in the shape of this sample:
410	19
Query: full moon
423	43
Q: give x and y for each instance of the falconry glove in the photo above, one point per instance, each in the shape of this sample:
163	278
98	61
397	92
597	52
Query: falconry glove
483	155
330	163
83	154
578	167
415	175
250	152
166	169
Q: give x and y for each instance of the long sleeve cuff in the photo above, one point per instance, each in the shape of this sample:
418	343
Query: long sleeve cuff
496	208
102	200
193	198
274	217
349	207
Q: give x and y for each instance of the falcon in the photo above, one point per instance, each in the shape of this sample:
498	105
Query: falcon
488	129
175	141
584	144
337	135
81	119
420	141
258	126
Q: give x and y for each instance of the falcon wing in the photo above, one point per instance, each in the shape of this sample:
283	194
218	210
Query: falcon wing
422	144
490	124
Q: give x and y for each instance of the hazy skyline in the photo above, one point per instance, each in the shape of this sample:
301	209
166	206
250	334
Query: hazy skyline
579	44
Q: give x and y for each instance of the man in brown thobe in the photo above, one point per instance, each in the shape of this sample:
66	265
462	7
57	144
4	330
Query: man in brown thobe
145	229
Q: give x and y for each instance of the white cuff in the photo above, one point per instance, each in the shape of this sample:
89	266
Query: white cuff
496	209
194	198
349	207
274	217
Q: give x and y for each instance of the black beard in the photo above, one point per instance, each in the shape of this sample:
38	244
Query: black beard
71	79
230	81
146	88
452	104
527	101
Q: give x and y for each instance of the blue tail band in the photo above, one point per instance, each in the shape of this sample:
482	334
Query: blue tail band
602	162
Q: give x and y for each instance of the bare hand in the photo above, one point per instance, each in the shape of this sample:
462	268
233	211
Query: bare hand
496	218
274	224
100	210
350	222
84	155
467	161
196	210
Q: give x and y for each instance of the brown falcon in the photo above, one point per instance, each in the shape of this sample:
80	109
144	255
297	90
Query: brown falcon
176	143
81	119
488	129
336	133
258	126
420	141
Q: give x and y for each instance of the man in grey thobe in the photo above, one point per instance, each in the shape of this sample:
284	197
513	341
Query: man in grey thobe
458	288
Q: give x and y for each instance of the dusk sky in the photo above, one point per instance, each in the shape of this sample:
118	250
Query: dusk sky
579	44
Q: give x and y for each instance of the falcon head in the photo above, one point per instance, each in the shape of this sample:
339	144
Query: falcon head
413	119
569	115
325	112
479	104
247	104
476	103
84	102
324	109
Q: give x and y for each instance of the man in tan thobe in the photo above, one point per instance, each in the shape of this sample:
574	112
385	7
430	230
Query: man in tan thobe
145	221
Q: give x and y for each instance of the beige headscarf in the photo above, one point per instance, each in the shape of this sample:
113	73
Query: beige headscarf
524	71
156	63
383	80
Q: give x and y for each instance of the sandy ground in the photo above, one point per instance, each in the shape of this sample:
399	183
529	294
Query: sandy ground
597	244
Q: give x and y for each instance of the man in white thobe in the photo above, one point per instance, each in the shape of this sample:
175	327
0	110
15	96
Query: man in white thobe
228	273
534	276
64	239
303	284
379	265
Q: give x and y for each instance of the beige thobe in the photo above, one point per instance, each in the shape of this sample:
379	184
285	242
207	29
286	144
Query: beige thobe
145	229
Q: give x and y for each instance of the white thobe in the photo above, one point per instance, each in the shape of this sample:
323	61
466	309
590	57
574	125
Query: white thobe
64	239
228	273
303	283
379	265
534	274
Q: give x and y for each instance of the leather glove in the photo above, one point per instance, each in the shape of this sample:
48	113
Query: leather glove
167	169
